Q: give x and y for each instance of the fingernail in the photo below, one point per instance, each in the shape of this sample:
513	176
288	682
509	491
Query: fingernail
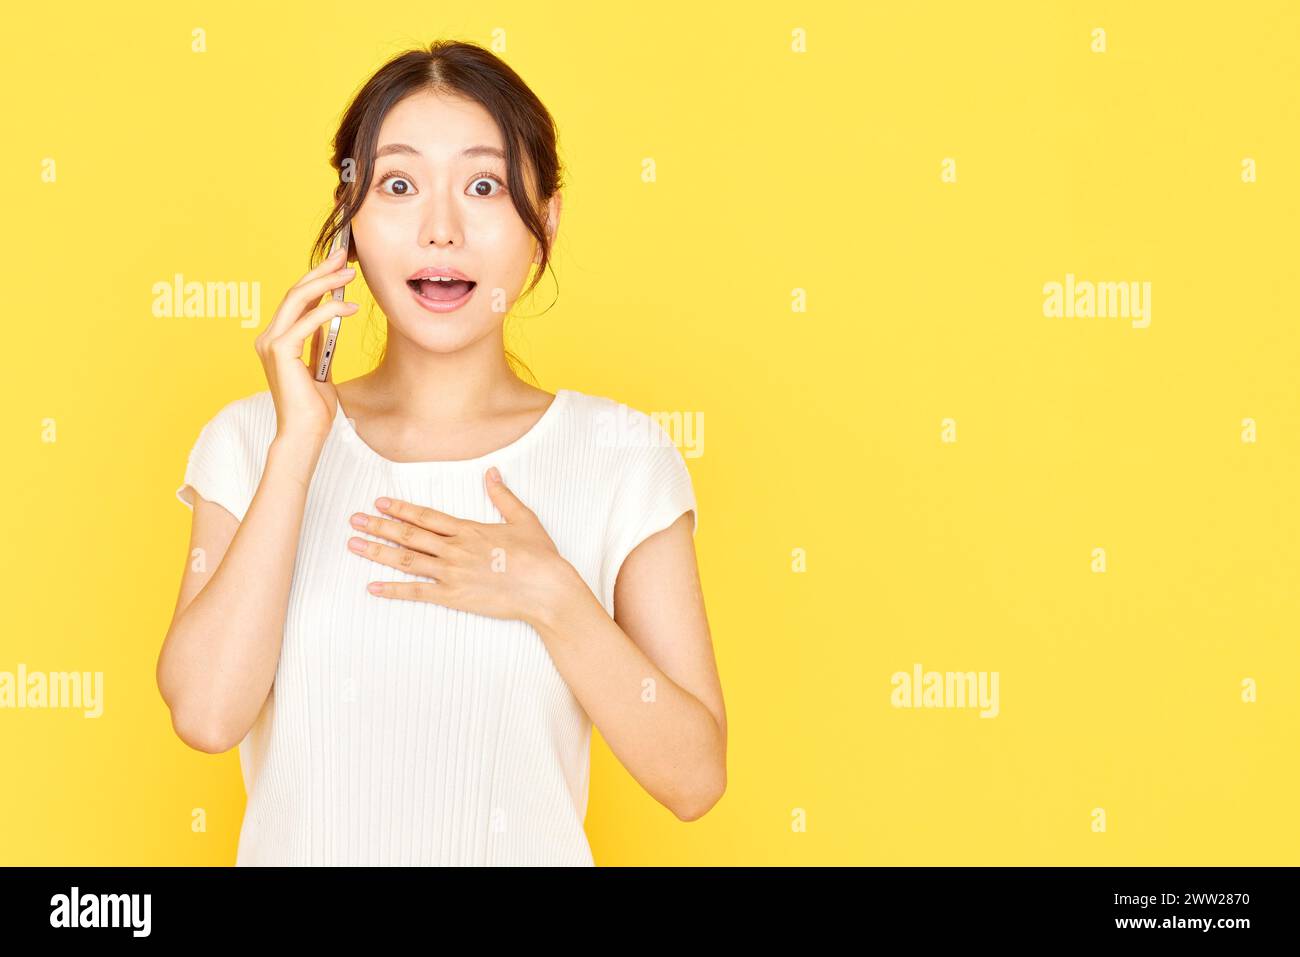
383	503
493	474
348	272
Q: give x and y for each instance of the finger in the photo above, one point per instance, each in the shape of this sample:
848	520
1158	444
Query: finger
319	285
422	515
507	503
296	334
307	295
411	591
404	559
316	338
403	533
331	262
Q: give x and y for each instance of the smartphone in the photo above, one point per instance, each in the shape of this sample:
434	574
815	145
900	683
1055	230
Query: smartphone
323	356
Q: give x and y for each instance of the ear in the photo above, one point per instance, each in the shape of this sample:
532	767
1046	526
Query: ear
553	208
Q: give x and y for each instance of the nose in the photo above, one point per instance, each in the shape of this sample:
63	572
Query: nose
440	225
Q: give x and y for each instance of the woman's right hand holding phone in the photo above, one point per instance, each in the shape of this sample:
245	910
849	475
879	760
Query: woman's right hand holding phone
304	407
250	560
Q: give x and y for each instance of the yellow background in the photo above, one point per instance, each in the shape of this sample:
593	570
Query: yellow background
776	171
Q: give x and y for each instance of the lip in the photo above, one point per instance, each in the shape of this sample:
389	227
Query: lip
450	305
432	271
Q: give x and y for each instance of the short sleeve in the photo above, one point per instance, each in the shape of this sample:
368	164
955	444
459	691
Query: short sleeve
654	491
218	467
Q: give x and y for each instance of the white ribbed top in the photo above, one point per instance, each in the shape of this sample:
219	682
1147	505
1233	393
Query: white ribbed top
407	733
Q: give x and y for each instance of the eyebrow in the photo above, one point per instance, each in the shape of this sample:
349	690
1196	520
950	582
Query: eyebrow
480	150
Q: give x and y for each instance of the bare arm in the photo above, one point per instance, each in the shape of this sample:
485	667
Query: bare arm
220	655
647	677
218	661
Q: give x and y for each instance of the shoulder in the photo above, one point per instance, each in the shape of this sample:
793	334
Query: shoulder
248	409
247	422
227	459
636	452
617	429
645	483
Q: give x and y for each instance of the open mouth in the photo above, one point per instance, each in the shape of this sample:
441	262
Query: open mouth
441	290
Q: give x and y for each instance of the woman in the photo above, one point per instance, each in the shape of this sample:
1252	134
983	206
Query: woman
532	554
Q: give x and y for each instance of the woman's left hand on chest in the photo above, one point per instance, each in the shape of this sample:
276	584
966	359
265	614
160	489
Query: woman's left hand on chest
502	570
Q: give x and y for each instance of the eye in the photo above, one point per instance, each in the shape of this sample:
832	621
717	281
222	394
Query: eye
486	177
401	178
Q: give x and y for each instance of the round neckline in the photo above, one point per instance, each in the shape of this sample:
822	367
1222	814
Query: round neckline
353	438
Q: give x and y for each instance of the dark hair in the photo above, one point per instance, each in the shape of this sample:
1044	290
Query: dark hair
475	73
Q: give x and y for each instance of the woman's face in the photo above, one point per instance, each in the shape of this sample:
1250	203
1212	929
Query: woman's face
438	198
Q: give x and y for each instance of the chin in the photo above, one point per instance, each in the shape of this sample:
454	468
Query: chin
443	334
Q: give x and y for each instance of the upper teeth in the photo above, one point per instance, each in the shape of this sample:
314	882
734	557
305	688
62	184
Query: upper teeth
439	278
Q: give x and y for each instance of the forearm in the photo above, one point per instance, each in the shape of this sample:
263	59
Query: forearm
666	738
220	657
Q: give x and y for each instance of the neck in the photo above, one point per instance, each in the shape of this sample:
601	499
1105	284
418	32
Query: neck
433	389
